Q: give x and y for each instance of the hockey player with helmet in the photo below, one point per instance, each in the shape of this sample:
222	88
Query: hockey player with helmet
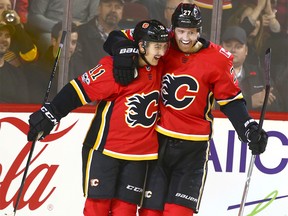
196	73
122	137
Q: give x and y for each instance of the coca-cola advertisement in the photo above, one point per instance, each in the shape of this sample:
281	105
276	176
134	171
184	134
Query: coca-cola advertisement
53	185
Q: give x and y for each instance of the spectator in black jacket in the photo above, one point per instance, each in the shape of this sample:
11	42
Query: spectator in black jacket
39	73
249	76
13	84
93	34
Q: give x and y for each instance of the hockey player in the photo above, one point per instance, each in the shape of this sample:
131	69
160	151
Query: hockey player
196	72
122	137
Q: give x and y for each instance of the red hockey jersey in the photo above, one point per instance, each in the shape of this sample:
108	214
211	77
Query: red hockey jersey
124	123
189	85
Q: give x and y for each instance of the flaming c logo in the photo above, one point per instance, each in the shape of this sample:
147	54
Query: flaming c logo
142	109
178	92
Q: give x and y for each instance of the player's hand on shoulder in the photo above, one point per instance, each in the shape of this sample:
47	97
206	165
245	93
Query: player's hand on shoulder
257	140
42	122
125	60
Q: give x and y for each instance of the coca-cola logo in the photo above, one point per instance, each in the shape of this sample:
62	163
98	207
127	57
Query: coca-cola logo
43	170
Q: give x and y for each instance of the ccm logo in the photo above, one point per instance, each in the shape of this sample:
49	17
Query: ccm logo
49	115
128	50
135	189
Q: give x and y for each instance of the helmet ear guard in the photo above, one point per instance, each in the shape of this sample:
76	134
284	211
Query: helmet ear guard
187	16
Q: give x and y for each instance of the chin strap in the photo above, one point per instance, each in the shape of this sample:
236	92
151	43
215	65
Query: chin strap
142	55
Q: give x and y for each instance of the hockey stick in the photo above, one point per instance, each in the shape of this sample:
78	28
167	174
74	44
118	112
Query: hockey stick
261	120
40	134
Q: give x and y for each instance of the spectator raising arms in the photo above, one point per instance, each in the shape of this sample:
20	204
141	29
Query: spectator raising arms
22	49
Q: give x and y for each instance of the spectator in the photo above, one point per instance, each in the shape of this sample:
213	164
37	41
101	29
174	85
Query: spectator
281	11
259	22
93	34
39	74
133	12
263	31
13	84
281	81
156	9
44	14
21	8
250	77
22	49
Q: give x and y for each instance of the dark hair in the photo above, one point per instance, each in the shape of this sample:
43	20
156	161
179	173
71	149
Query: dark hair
57	29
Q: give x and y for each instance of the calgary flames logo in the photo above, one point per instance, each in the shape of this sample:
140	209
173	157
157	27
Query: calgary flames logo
178	91
142	109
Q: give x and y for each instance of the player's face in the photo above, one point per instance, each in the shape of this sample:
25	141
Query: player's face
5	40
154	51
238	50
186	38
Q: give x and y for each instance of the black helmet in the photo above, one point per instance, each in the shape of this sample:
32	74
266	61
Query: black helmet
186	16
150	30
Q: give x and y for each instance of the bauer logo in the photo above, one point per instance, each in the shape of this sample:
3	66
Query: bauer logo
128	50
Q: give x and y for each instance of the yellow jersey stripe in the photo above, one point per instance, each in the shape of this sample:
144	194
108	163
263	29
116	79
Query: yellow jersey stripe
130	156
224	102
194	137
87	172
102	126
79	92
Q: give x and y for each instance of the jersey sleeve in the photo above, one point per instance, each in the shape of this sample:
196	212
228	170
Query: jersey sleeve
97	83
225	85
94	85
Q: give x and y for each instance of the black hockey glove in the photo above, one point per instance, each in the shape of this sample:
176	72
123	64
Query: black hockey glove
125	61
256	141
42	122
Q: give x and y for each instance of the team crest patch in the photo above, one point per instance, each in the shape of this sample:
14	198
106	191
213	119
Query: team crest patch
142	109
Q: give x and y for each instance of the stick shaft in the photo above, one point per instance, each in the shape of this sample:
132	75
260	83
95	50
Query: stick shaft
61	44
39	135
261	120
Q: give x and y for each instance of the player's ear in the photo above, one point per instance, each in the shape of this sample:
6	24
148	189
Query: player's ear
141	47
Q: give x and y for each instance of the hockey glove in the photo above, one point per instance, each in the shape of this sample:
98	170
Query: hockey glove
42	122
125	61
257	141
